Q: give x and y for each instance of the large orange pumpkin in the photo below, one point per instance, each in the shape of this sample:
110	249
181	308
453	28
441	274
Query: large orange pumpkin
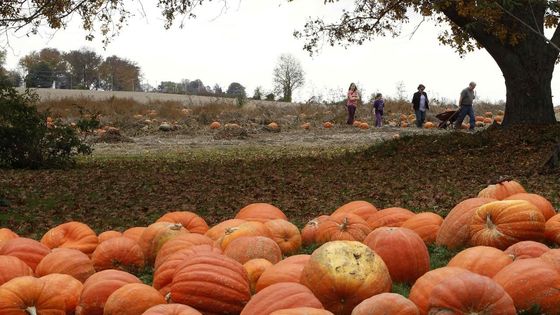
342	274
454	231
132	299
245	248
309	231
120	253
501	190
28	250
134	233
171	309
343	227
531	282
503	223
217	231
552	229
552	257
74	235
180	242
211	283
6	234
66	286
470	293
156	235
389	217
29	295
302	311
108	235
255	268
386	303
526	249
260	212
483	260
287	270
281	296
539	201
12	267
250	228
402	250
189	220
285	234
425	224
361	208
67	261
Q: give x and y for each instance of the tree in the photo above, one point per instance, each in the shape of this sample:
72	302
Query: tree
287	76
45	67
119	74
84	68
218	89
257	94
237	90
196	87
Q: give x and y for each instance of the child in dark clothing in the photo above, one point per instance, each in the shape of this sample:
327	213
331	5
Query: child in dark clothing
378	105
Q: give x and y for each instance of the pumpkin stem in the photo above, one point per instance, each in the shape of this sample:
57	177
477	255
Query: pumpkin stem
31	310
489	222
168	297
344	225
176	226
230	230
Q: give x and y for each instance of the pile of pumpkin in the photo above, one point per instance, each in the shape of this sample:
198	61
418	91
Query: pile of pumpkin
249	264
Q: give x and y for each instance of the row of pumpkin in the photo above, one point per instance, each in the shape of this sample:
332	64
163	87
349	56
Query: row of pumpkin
238	266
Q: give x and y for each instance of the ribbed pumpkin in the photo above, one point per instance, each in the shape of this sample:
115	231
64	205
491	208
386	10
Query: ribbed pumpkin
403	251
189	220
360	208
180	242
389	217
99	287
422	289
503	223
287	270
285	234
341	274
454	231
552	257
526	249
211	283
12	267
250	228
343	227
66	286
529	282
281	296
255	268
29	295
74	235
386	303
215	125
108	235
156	235
67	261
501	190
134	233
260	212
27	250
302	311
309	231
6	234
217	231
483	260
132	299
552	229
539	201
120	253
245	248
425	224
163	275
470	293
171	309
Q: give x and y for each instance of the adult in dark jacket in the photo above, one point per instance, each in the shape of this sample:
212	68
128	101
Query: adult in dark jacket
420	105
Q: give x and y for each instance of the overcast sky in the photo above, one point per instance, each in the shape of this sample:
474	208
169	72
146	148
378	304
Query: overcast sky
243	45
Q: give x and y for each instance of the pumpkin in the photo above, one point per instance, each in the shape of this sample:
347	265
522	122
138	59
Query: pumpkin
281	296
285	234
552	257
66	286
361	208
552	229
211	283
163	275
356	123
479	119
499	119
29	295
487	120
504	223
120	253
386	303
180	242
27	250
422	289
343	227
302	311
189	220
403	251
255	268
12	267
501	190
454	230
341	274
215	125
250	228
483	260
74	235
429	125
6	234
287	270
539	201
273	126
218	230
404	125
404	117
327	125
488	114
99	287
134	233
531	282
389	217
425	224
309	231
67	261
364	125
245	248
483	296
132	299
171	309
260	212
108	235
156	235
305	126
526	249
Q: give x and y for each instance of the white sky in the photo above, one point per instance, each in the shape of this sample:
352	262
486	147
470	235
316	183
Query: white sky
244	43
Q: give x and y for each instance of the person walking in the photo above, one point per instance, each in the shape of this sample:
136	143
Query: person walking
420	105
466	107
378	105
352	102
